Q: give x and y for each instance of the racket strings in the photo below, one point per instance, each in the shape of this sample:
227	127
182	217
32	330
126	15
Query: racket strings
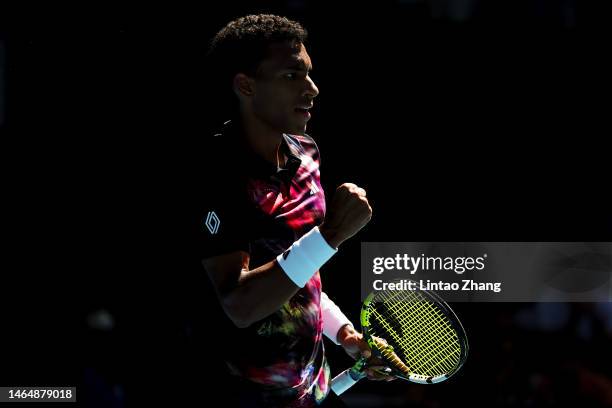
440	339
416	326
412	327
441	349
424	352
433	335
420	332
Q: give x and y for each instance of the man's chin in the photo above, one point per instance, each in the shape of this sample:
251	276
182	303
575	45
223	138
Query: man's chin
300	131
295	128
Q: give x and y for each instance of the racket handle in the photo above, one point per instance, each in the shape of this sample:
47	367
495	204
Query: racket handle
343	382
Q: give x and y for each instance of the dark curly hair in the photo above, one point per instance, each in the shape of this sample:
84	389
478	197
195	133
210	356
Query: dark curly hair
243	44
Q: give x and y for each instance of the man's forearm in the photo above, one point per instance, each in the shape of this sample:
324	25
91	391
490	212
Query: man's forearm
333	319
260	292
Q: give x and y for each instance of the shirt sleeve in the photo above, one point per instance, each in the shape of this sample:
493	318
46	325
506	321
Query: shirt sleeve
333	318
224	221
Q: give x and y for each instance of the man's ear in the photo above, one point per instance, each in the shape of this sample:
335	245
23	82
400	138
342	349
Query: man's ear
243	85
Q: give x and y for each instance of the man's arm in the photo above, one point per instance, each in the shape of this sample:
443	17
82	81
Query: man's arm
334	321
251	295
248	295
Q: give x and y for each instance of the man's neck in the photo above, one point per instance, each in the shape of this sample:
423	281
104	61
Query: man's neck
264	141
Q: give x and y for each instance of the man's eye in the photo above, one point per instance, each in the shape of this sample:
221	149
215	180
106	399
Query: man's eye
291	75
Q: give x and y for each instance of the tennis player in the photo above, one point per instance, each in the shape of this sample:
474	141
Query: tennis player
265	228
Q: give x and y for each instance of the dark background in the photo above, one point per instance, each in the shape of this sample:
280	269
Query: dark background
465	121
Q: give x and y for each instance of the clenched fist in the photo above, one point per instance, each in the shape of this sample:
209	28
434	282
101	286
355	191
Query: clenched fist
348	212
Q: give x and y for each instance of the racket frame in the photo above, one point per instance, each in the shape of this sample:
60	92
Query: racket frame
449	314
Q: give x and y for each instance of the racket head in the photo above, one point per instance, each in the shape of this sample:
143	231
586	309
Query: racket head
428	343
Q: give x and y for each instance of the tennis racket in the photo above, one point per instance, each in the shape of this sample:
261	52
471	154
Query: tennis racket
415	333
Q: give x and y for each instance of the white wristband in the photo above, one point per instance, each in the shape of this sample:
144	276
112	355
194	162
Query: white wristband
304	258
333	318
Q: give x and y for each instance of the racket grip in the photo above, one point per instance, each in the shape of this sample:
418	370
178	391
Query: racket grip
343	382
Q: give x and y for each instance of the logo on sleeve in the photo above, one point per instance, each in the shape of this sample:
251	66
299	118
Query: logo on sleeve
212	222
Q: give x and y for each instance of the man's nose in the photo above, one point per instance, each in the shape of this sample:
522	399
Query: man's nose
311	88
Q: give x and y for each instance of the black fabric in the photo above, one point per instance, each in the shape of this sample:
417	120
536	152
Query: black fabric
246	395
226	214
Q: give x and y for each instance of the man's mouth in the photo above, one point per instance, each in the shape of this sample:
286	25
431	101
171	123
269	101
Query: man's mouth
304	111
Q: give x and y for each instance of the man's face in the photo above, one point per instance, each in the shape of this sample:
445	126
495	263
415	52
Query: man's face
283	89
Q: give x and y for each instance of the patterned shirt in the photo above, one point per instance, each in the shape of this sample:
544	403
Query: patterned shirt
258	208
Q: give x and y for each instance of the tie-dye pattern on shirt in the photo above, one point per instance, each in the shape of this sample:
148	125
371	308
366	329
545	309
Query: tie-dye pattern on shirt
284	353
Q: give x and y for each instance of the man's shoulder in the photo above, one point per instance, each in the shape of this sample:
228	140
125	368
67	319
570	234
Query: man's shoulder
221	174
